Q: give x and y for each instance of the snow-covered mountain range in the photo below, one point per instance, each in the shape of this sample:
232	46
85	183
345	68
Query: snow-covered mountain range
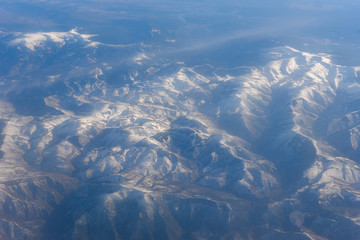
145	149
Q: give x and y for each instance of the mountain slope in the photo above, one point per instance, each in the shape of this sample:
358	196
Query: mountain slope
174	152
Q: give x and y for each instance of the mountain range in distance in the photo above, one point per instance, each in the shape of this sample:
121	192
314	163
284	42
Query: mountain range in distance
146	148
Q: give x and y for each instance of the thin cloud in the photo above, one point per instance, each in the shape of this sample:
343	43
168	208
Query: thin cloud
274	28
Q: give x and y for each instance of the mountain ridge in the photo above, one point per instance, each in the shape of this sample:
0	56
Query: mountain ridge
143	155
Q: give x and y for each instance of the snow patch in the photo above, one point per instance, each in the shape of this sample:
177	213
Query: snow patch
34	40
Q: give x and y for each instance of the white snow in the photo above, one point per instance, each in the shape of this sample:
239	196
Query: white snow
34	40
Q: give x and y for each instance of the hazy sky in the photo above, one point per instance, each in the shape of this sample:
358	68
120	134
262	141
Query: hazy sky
203	25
